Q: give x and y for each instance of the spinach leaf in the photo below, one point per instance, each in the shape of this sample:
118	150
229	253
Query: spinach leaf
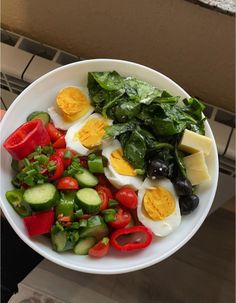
166	119
126	110
140	91
108	80
111	99
180	163
198	127
105	88
151	141
135	150
193	107
120	128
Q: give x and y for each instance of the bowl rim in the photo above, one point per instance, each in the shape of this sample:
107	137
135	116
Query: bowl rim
132	268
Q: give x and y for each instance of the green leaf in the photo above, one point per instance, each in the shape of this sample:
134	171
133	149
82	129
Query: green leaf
179	159
194	108
126	110
108	80
135	150
120	128
140	90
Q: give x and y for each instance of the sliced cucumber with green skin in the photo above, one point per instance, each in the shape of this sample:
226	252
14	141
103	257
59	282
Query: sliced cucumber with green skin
59	241
89	200
43	116
64	240
41	197
83	245
98	231
86	179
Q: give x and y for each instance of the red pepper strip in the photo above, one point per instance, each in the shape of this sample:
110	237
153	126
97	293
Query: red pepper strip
25	138
40	223
131	245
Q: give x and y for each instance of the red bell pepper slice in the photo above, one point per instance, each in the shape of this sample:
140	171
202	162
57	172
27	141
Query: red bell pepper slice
40	223
143	239
25	138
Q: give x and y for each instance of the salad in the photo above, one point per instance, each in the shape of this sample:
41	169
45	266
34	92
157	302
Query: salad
115	163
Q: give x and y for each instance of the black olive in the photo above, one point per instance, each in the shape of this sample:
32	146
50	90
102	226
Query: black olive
183	187
188	203
157	168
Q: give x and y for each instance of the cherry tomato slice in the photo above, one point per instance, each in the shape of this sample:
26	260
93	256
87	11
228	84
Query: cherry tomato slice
100	249
102	180
123	217
60	142
105	195
67	183
61	153
127	197
59	167
53	132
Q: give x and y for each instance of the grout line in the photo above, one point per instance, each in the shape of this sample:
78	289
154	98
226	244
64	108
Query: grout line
18	42
229	139
3	103
54	59
8	84
22	75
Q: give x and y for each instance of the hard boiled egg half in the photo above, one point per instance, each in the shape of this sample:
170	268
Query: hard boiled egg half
119	172
87	135
158	206
72	105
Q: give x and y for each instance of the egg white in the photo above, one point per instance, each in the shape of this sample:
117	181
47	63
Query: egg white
116	179
163	227
76	145
58	119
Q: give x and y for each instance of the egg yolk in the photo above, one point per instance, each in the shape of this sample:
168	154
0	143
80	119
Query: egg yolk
159	203
91	134
120	165
73	103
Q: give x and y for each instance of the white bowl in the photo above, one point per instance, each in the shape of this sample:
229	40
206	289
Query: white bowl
39	96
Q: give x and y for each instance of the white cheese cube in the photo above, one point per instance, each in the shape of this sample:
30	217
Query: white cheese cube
196	168
192	142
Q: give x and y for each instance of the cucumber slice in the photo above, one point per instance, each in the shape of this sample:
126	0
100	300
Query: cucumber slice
64	240
83	245
39	115
89	200
86	179
59	241
41	197
98	231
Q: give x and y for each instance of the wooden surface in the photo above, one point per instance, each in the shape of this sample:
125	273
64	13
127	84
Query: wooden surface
201	272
